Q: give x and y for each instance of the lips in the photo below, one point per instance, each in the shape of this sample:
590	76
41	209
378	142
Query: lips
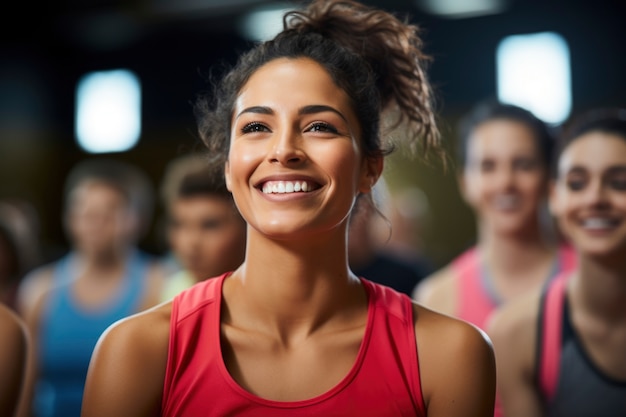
288	187
506	202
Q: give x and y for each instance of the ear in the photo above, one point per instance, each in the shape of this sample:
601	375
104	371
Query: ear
372	170
227	176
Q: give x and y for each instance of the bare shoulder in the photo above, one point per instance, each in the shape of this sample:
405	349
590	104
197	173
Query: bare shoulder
452	353
14	337
127	368
441	336
513	330
143	333
438	291
515	321
13	352
12	329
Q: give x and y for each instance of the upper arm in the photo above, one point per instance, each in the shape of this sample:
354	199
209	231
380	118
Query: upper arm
438	292
513	331
127	369
457	367
13	348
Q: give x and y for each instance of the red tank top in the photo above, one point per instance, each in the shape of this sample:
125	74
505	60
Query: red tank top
475	302
384	380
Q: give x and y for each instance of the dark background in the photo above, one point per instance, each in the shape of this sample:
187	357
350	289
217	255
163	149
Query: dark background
45	48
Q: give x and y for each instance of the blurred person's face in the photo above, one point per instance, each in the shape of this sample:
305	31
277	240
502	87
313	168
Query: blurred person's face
504	180
207	235
99	218
589	197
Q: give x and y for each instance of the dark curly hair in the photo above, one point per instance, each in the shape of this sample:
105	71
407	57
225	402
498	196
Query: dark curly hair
608	120
373	56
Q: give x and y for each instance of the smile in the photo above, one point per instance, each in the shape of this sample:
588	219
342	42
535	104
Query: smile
506	202
286	187
599	223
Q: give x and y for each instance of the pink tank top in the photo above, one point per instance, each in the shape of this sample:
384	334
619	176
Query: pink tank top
384	380
475	300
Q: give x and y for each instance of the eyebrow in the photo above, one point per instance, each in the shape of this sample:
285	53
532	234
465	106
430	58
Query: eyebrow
311	109
615	169
320	108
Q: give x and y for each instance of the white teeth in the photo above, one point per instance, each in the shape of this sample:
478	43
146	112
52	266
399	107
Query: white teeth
597	223
285	187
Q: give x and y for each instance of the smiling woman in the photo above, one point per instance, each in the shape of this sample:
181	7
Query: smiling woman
293	331
570	334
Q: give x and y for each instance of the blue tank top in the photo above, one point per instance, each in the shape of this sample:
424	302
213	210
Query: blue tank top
69	332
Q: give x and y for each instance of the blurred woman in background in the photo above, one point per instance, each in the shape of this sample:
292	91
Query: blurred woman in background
505	154
561	349
68	303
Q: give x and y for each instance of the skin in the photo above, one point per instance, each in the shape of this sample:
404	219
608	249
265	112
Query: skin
207	235
589	200
13	356
101	228
504	182
293	308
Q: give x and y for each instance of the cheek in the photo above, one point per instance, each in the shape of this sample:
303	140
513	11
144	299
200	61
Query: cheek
475	187
563	205
241	162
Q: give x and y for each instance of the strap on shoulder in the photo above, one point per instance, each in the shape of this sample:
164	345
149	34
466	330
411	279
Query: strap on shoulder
550	353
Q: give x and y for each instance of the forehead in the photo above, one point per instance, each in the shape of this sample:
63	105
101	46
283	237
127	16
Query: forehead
95	187
501	137
284	81
594	151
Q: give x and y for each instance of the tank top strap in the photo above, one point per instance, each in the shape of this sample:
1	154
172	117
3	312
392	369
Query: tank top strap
550	334
474	300
64	269
568	259
63	273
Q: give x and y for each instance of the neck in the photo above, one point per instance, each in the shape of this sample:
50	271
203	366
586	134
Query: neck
101	262
599	287
514	251
291	287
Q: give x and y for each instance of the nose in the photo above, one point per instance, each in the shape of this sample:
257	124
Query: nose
286	147
596	195
506	177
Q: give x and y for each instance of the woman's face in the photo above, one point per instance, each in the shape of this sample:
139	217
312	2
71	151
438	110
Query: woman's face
295	164
99	218
589	196
504	180
206	234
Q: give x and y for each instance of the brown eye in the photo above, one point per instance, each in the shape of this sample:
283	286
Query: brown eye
254	127
618	184
525	164
575	185
321	127
487	166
